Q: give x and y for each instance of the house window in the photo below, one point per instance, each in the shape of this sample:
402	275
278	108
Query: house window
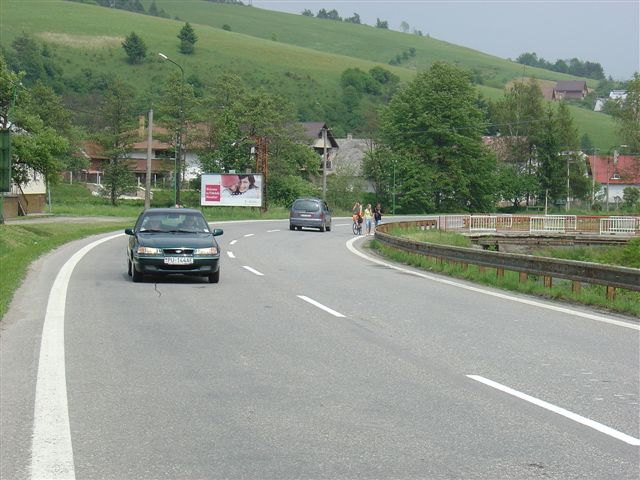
615	176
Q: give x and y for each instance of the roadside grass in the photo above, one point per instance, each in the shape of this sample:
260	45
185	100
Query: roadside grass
626	301
76	200
20	245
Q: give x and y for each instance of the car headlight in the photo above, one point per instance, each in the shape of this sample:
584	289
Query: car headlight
206	251
149	250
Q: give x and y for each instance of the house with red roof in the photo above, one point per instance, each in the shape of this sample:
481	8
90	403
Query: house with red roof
615	174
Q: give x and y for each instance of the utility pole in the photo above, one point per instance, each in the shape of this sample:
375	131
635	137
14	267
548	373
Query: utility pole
178	167
147	186
324	163
568	190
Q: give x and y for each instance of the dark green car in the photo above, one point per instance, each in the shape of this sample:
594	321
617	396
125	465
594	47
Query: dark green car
167	241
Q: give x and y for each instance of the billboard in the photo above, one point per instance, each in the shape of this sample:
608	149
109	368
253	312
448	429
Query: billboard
231	190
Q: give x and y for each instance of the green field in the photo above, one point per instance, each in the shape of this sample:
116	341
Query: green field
298	57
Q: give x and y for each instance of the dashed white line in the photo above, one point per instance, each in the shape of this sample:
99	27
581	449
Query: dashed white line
271	231
230	254
233	242
560	411
253	270
320	306
249	235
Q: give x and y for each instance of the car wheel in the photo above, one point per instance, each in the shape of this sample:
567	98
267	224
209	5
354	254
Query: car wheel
136	276
328	228
128	267
291	227
322	228
214	277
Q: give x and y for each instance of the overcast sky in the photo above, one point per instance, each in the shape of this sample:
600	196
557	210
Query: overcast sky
607	32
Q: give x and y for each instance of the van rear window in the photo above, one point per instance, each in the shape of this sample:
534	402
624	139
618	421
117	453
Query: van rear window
306	206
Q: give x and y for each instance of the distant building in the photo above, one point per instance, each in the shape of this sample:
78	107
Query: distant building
618	95
617	174
571	90
314	132
615	95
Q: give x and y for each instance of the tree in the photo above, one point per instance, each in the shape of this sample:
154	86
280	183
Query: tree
135	48
518	118
36	146
28	58
627	115
177	108
117	137
188	39
307	13
434	125
404	26
238	117
46	104
551	171
354	19
382	23
631	197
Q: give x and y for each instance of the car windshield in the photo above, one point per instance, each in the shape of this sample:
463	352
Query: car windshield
306	206
177	223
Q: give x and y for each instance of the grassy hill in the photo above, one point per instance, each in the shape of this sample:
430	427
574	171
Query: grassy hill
299	57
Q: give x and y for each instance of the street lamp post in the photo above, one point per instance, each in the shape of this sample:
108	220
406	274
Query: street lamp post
324	163
593	177
180	131
615	161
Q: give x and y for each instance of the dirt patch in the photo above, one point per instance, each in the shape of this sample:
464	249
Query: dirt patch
80	41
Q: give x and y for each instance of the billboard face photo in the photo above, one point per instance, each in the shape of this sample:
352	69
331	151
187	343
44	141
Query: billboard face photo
231	190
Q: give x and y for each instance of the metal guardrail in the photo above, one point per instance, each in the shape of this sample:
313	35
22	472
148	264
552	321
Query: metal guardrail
585	272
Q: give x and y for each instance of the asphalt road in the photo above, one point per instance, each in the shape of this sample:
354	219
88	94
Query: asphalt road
310	361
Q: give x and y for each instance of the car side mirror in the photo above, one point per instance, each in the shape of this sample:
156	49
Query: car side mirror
217	232
129	231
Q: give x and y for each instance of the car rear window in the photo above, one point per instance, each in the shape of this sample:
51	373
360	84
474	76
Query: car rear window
306	206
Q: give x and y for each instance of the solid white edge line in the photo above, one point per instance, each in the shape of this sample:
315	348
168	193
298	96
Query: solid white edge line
253	270
560	411
503	296
322	307
230	254
51	447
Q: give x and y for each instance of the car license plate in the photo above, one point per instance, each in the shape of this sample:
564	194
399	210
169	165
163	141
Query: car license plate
178	260
306	215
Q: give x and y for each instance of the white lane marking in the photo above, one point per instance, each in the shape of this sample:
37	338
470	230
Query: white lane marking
319	305
560	411
590	316
249	235
51	447
252	270
230	254
233	242
271	231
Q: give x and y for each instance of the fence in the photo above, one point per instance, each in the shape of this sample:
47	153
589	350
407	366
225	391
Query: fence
540	224
622	225
611	277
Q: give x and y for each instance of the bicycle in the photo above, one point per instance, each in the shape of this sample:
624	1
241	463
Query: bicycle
357	226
